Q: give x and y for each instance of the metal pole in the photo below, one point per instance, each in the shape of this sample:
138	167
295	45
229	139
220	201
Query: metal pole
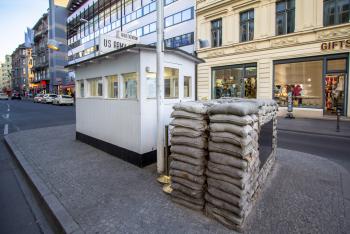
160	85
338	119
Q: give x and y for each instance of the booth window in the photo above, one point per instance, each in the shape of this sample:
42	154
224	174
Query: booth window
95	87
303	80
112	84
151	84
171	82
130	85
187	86
336	12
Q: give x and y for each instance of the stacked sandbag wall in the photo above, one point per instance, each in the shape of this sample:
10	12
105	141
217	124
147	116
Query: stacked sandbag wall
233	165
189	143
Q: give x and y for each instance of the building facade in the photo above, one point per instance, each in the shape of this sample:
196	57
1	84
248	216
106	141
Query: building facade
41	82
276	48
5	74
21	72
90	19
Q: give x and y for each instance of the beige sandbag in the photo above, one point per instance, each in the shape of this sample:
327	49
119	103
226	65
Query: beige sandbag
188	159
187	115
242	131
180	195
194	170
187	183
230	149
240	182
187	191
189	151
193	107
224	205
210	213
230	198
229	216
227	137
232	119
226	170
226	187
235	108
188	132
226	159
198	142
187	204
198	125
187	176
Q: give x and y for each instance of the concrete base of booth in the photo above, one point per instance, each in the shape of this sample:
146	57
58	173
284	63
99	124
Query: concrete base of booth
140	160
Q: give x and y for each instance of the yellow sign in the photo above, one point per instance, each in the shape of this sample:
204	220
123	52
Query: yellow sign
61	3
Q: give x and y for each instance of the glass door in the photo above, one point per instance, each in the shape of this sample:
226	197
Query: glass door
250	82
334	93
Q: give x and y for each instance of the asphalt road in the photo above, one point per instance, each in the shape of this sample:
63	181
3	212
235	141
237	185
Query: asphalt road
20	209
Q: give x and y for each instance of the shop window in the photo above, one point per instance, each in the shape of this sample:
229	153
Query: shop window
130	85
187	86
303	80
112	86
96	87
247	26
216	33
171	83
336	12
336	65
285	17
151	85
235	81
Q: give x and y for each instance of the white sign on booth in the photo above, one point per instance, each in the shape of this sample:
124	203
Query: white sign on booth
122	39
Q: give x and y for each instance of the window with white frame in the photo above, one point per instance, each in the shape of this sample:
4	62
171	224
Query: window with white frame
171	82
112	86
187	86
130	85
95	87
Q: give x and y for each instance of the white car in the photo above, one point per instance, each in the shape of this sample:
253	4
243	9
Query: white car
48	98
38	97
4	96
63	100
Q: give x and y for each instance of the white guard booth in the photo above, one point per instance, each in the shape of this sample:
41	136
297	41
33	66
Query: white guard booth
116	99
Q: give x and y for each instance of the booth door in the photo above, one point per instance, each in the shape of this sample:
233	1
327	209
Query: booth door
334	93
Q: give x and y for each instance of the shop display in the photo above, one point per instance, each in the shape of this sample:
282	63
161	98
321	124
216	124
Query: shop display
334	93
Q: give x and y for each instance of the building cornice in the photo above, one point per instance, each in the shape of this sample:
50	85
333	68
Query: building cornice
205	6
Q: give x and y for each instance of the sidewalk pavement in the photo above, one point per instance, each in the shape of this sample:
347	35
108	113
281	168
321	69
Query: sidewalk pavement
89	191
315	126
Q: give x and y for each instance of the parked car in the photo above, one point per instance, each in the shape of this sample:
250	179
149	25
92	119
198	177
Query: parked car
48	98
16	96
38	97
63	100
4	96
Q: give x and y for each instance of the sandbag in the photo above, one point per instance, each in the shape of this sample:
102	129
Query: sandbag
188	132
235	108
224	205
198	142
180	195
230	149
225	159
187	176
232	119
226	170
230	198
187	115
189	151
194	170
193	107
198	125
222	220
187	183
226	214
188	159
240	182
187	204
187	191
226	187
242	131
227	137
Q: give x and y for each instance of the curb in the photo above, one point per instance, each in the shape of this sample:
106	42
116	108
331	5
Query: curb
62	218
314	133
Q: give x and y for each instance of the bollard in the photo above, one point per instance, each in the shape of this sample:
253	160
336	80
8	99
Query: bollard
338	119
166	151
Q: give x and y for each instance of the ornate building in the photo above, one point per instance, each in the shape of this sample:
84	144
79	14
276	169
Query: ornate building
269	49
5	74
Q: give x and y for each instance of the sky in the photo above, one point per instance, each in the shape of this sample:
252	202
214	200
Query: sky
15	17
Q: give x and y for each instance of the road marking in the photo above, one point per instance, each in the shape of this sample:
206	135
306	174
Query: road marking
8	107
6	116
6	129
